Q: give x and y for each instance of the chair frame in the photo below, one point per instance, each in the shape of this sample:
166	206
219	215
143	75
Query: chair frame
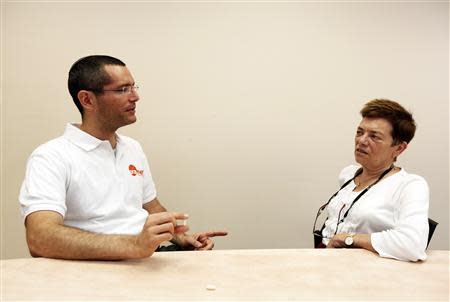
432	227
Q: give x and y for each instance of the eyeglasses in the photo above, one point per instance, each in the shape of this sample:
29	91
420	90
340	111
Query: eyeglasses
318	233
122	90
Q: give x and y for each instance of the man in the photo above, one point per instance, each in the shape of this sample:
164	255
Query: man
89	194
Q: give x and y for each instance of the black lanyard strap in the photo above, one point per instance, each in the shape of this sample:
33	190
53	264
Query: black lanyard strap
363	192
357	173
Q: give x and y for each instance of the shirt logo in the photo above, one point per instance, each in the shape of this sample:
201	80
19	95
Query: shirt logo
134	171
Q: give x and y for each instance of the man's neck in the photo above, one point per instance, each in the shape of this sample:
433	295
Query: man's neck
101	133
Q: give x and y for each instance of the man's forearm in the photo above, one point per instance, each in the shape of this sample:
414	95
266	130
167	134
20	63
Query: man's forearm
59	241
154	206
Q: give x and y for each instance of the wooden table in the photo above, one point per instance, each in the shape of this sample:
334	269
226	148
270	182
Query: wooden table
288	274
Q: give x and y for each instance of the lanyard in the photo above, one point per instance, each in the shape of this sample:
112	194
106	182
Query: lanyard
358	172
360	194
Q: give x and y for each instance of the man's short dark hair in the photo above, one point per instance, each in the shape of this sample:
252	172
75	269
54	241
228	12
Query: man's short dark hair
88	73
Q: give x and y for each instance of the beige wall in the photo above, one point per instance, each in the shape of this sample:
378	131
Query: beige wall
247	110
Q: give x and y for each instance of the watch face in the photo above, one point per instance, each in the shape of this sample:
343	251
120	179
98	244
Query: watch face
349	240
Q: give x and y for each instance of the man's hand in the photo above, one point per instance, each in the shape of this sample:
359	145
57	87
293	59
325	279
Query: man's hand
198	241
158	228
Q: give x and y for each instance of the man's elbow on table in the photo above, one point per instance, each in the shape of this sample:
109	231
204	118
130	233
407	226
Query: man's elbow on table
36	247
33	248
39	229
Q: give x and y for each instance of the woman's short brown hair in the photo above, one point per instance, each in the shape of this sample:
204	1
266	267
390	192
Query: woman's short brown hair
403	124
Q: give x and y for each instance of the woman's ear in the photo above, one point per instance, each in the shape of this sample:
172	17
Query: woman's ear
399	148
87	100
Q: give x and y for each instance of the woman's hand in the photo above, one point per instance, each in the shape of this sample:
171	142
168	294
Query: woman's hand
338	241
359	241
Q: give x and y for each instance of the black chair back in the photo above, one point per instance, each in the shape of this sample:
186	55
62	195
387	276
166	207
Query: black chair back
432	224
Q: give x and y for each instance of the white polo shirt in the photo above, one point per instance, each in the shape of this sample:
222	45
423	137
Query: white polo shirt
94	187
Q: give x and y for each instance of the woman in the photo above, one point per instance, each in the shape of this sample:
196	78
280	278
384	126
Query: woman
380	207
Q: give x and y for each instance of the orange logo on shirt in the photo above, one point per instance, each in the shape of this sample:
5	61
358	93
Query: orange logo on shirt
134	171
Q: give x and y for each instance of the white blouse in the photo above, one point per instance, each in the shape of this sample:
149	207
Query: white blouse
394	212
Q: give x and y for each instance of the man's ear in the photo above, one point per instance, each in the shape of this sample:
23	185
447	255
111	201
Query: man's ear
87	100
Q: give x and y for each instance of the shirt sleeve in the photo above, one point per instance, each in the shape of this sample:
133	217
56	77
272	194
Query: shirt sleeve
44	186
407	240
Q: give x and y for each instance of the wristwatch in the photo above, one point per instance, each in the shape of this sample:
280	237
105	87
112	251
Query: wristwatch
349	240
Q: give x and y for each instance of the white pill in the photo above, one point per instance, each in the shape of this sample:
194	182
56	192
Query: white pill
181	221
210	287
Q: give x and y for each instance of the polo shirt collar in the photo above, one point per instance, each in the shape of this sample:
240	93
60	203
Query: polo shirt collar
83	139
